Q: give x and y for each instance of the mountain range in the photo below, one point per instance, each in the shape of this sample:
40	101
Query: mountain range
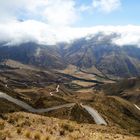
85	53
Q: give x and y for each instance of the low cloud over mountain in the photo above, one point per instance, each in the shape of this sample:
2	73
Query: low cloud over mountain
18	32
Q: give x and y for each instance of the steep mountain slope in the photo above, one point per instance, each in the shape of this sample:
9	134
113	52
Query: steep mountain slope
99	51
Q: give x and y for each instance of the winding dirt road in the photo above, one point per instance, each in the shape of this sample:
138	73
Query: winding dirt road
97	117
136	106
30	108
56	91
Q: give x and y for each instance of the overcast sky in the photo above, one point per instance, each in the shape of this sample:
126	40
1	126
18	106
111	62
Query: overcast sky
51	21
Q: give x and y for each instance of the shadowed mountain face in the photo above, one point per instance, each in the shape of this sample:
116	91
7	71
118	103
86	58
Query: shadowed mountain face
34	54
98	51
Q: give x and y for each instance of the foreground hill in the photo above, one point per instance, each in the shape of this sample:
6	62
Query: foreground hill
29	126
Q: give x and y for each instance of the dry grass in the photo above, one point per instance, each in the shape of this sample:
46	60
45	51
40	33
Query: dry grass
44	128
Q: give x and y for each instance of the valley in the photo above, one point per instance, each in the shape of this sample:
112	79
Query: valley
69	92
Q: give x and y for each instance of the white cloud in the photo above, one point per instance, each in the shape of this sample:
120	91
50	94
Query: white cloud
17	32
20	32
103	6
106	5
60	12
84	8
39	16
55	12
